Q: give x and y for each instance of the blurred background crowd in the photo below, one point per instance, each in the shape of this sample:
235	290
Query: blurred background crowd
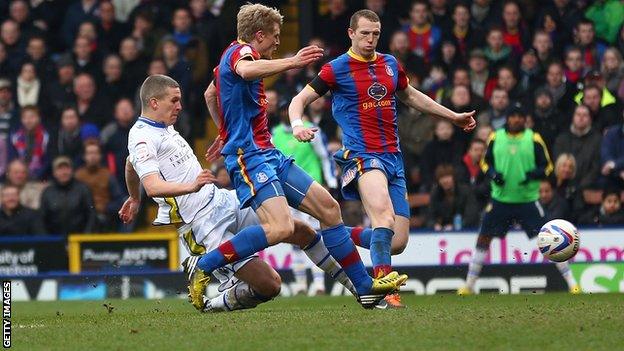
70	73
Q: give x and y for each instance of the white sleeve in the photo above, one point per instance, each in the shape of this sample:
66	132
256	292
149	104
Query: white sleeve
142	152
326	163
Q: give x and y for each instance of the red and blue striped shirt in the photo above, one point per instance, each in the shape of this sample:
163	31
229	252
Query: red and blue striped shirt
243	122
363	99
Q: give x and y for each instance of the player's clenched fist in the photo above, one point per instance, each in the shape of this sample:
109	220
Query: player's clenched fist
203	178
307	55
129	210
304	134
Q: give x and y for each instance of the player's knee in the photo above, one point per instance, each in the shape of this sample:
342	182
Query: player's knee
398	247
281	230
330	211
385	219
271	286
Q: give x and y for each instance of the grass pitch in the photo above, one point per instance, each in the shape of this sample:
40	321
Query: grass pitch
440	322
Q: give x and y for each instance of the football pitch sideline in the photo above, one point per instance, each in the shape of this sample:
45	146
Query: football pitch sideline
440	322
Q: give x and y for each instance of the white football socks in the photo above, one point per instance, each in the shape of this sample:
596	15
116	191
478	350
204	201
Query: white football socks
474	268
566	273
317	252
240	296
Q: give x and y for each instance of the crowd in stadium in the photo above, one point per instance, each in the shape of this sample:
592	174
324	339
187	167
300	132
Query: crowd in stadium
70	71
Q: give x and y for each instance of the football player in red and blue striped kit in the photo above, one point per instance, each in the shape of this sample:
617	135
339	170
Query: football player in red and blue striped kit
364	84
264	178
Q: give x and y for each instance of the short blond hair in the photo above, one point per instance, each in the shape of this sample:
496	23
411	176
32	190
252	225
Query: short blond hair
254	17
563	158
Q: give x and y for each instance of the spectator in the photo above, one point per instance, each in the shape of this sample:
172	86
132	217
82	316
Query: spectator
134	64
465	37
61	89
30	142
441	15
9	119
448	57
16	219
479	72
424	36
106	191
84	58
608	16
612	156
443	149
414	65
561	90
29	191
483	14
550	27
110	31
496	115
568	14
575	69
78	12
450	199
609	213
67	141
496	51
115	139
113	85
582	141
603	116
67	204
38	55
6	67
515	33
14	43
177	66
543	45
530	75
585	38
91	108
547	120
30	91
470	172
192	47
506	79
335	21
554	205
146	36
565	185
389	21
612	69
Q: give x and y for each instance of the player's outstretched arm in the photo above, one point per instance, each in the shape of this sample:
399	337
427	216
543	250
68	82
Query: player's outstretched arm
295	112
157	187
257	69
416	99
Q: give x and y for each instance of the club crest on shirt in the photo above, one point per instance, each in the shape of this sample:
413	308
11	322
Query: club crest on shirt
244	50
261	177
389	71
377	91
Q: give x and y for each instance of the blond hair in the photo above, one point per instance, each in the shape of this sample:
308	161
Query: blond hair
255	17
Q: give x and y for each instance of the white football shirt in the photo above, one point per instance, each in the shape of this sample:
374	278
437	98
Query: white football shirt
156	148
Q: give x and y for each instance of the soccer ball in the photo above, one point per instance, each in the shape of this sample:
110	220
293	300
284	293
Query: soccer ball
558	240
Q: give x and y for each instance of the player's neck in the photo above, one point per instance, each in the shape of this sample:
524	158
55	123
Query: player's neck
353	52
152	118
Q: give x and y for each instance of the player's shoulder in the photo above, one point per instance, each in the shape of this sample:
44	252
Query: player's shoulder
144	131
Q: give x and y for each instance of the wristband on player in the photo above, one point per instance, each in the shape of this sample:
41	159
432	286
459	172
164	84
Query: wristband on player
296	123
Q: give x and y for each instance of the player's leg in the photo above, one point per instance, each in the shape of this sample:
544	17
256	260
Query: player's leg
532	217
496	222
258	283
373	188
312	198
300	271
308	240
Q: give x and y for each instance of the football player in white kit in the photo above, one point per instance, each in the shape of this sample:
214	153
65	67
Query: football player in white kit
204	215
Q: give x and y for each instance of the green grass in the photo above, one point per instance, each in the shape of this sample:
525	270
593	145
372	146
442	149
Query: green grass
441	322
